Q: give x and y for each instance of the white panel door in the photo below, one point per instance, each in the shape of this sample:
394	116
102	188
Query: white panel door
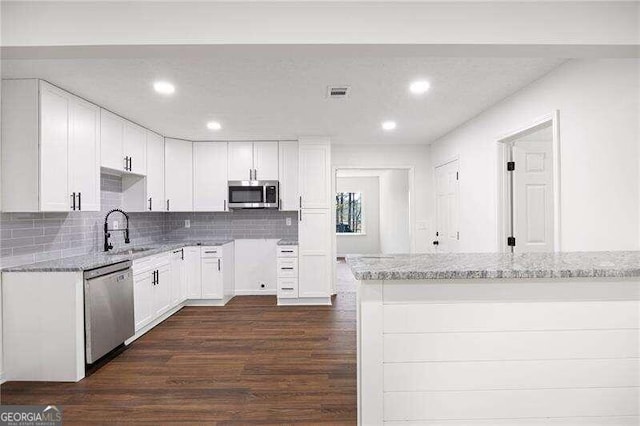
212	278
54	147
240	161
265	160
314	251
533	197
210	176
288	175
111	140
162	290
143	289
155	172
314	173
178	158
193	272
135	148
447	202
84	154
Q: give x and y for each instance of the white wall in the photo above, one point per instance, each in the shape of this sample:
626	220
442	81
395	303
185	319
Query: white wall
598	102
96	23
395	230
416	157
369	242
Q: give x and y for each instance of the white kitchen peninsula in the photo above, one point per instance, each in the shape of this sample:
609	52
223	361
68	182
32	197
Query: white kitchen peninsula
500	339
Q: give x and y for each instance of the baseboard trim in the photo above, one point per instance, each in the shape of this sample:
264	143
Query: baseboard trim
306	301
255	292
208	302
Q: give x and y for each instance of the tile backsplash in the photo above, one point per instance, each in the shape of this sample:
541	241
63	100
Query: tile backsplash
33	237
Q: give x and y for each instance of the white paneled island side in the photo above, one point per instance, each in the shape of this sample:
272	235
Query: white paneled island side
498	339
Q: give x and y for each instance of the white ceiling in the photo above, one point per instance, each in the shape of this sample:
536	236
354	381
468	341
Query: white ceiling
284	96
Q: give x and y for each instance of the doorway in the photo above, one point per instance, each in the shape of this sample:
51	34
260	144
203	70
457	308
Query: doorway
530	196
447	204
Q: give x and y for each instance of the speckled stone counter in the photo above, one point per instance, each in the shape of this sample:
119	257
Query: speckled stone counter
96	260
495	265
285	242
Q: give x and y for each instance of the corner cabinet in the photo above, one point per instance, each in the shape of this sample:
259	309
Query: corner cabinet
178	177
51	149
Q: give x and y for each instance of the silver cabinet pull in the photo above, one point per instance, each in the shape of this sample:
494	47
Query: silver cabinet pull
150	203
286	288
73	203
218	265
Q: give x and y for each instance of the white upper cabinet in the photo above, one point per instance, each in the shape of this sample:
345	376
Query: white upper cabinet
51	145
84	154
240	161
288	174
178	160
124	144
54	150
265	160
155	173
210	176
112	139
253	161
315	171
135	148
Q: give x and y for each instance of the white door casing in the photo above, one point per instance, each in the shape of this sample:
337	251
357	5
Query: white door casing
533	196
447	204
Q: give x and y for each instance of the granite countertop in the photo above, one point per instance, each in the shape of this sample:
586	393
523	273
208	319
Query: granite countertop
496	265
286	242
96	260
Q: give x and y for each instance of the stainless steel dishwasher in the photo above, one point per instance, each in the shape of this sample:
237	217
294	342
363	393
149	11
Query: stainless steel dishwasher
108	308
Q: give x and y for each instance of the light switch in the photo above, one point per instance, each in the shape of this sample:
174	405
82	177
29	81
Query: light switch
288	221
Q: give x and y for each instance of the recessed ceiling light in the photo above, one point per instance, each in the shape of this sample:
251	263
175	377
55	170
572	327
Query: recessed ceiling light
419	87
388	125
214	125
164	87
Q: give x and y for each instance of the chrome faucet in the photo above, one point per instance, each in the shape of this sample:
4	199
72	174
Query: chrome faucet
107	231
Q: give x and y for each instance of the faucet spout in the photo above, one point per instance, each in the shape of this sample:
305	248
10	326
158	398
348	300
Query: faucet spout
107	231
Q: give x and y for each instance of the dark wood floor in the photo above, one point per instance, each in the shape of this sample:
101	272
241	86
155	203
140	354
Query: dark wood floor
247	362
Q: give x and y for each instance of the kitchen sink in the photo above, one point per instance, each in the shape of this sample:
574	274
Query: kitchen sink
130	251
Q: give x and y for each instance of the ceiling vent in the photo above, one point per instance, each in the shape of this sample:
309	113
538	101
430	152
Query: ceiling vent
338	92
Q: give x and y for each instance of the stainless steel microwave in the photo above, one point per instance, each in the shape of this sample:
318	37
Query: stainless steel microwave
254	194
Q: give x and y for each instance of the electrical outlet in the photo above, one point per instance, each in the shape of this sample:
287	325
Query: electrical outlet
116	225
187	223
288	221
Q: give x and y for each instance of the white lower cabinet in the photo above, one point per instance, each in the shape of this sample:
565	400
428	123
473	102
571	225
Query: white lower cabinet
178	279
218	271
314	231
287	272
193	273
152	281
143	298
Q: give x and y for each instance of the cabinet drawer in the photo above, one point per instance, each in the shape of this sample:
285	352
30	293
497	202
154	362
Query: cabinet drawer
288	267
209	252
287	251
143	264
288	288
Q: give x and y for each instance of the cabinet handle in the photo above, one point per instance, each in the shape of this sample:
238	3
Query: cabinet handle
279	203
300	210
225	206
167	205
286	251
126	163
130	163
150	203
210	252
287	288
73	202
79	200
218	265
287	268
250	174
255	174
157	277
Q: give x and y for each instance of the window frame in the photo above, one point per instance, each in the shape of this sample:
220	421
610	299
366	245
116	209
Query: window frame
363	228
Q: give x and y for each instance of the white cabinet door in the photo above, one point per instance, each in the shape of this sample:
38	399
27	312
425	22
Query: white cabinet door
193	275
143	292
314	253
315	171
265	160
210	176
240	161
162	290
54	139
177	277
135	148
227	264
111	140
178	158
288	175
155	172
84	154
212	278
